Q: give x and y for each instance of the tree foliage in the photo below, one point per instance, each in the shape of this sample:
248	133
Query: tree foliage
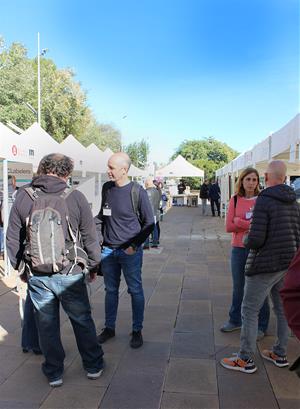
138	152
102	135
208	154
64	109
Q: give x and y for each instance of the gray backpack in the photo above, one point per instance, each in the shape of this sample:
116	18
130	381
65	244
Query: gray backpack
47	249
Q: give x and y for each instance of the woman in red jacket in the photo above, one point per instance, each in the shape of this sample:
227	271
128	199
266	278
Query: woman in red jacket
238	223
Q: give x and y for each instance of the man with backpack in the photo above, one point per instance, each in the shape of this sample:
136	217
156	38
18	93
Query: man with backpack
46	222
125	221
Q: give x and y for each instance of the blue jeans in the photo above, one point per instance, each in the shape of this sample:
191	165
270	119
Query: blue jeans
238	261
257	288
46	293
30	336
113	261
154	236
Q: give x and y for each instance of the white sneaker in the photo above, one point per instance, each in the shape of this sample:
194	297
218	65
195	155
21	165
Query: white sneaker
55	384
94	375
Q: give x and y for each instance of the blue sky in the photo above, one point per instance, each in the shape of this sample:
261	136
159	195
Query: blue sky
177	69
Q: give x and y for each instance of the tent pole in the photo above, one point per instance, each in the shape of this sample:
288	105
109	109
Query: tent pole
7	268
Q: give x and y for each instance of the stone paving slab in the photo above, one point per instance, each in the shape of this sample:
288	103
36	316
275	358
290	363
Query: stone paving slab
188	401
192	376
81	397
192	345
188	292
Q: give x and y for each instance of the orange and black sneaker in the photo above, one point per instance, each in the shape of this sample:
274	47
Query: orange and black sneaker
237	364
280	361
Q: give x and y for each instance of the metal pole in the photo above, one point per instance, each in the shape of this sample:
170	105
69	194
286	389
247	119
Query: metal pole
39	81
5	215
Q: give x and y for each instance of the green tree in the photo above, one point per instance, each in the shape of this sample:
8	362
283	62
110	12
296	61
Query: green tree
102	135
64	109
16	85
208	154
138	152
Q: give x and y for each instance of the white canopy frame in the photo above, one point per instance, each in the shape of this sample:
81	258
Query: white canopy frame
283	144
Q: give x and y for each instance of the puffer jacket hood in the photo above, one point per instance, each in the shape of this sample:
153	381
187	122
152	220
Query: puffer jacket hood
274	235
283	193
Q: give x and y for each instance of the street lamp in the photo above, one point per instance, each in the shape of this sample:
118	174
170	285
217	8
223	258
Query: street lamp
39	54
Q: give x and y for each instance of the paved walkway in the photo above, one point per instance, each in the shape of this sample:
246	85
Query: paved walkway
187	287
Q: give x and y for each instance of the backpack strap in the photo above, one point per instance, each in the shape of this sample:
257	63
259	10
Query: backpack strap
105	189
235	201
135	195
68	190
33	193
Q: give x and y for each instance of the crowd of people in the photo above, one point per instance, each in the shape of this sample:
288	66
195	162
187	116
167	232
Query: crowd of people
57	246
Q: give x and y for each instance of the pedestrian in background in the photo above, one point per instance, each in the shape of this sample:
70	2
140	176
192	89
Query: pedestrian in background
214	194
154	196
204	189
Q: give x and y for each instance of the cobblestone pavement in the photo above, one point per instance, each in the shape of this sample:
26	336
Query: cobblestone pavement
188	288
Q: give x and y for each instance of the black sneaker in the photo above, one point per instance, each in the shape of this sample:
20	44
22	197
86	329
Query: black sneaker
137	339
105	335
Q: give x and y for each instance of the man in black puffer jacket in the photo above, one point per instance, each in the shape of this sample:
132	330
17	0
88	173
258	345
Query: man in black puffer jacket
273	240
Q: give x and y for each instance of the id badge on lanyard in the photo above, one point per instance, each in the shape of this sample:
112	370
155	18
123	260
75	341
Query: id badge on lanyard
106	210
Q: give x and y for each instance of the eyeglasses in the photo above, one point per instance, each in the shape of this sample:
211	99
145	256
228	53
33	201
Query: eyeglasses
251	179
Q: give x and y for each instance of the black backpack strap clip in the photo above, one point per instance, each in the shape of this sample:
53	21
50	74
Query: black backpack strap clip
33	193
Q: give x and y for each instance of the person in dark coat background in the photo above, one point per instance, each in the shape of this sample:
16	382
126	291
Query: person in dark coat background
204	189
214	194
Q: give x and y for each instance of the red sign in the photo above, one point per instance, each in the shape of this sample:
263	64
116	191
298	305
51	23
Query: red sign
14	150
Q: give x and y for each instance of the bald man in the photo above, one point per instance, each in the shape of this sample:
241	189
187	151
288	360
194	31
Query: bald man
124	229
273	240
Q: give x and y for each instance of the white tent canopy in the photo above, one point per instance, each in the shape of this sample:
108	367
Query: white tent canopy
136	172
283	144
39	142
97	156
180	167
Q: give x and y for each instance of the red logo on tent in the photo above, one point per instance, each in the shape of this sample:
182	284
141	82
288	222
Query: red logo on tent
14	150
